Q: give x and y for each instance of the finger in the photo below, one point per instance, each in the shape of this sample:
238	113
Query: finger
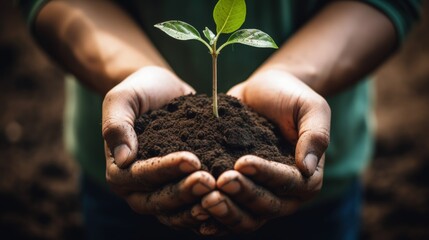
183	219
148	175
260	201
227	213
281	179
199	213
172	197
236	91
313	134
302	115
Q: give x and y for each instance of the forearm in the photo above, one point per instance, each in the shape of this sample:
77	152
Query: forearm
95	40
343	43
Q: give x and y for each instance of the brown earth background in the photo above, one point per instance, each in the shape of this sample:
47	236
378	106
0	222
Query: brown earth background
39	181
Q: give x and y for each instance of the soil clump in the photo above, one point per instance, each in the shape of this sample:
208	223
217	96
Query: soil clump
187	123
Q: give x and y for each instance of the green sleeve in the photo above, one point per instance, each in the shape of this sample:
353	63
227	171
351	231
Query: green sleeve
402	13
30	9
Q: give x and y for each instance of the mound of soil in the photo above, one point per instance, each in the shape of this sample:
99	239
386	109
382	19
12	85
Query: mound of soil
187	123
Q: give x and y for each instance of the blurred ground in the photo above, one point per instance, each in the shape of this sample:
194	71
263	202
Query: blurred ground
38	181
397	192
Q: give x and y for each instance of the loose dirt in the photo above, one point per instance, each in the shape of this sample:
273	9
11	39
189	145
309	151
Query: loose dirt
187	124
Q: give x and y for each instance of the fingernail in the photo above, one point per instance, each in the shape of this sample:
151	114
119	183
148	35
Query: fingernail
200	189
220	209
120	154
249	170
187	167
231	187
310	163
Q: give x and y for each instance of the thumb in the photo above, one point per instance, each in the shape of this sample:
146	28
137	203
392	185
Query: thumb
237	91
148	88
118	127
310	152
314	126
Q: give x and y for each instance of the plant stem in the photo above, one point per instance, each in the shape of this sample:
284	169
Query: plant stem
214	75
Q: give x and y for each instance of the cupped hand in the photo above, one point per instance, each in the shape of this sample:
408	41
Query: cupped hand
257	189
169	187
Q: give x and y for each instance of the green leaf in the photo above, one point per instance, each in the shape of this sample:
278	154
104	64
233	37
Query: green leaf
179	30
229	15
251	37
209	35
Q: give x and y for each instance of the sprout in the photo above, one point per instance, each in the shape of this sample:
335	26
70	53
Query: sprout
228	15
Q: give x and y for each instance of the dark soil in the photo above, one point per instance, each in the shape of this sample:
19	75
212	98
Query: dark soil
187	123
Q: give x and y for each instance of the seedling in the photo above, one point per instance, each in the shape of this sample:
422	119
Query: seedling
228	15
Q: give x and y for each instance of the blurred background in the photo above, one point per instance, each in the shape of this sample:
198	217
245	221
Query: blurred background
38	181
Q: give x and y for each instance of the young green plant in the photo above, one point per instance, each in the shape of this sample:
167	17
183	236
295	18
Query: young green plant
228	15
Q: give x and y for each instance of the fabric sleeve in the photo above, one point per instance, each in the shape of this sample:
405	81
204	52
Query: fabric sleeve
30	9
402	13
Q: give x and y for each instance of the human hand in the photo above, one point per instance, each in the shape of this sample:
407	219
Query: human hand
168	187
257	189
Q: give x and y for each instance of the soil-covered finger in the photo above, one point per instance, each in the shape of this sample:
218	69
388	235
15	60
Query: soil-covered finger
173	197
148	175
282	180
224	210
257	199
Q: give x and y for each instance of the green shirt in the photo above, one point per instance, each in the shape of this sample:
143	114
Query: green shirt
351	128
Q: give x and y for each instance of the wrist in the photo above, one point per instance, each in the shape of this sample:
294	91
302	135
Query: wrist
90	43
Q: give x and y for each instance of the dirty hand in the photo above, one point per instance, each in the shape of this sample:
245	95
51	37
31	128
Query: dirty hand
168	187
258	190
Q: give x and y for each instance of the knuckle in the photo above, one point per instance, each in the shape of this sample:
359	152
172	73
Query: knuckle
113	127
108	125
322	137
113	94
109	97
321	103
319	138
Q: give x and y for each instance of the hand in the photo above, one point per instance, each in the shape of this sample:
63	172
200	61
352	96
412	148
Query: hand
258	190
168	187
